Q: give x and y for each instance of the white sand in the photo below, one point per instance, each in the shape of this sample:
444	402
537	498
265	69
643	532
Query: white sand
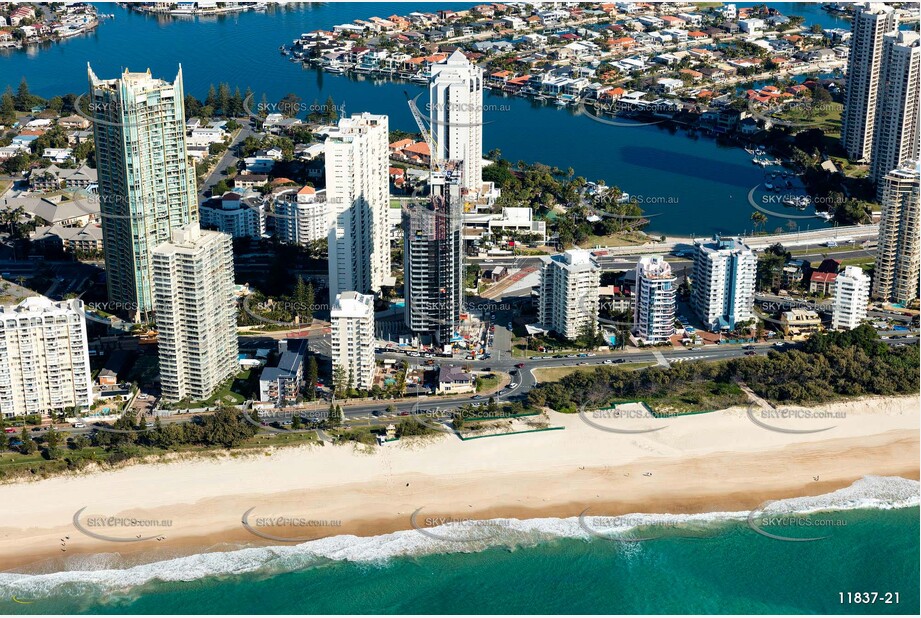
705	462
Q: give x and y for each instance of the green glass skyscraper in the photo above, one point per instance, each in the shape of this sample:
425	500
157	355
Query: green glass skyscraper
146	183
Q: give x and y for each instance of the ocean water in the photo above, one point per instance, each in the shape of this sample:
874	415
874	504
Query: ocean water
712	563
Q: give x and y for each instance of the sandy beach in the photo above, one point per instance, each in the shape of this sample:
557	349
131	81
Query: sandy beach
721	461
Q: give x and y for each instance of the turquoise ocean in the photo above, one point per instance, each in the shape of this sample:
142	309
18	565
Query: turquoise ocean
867	542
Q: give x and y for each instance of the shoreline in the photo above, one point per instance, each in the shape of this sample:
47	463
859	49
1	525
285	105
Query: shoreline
690	469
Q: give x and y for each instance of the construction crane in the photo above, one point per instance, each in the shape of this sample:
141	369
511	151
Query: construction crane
435	164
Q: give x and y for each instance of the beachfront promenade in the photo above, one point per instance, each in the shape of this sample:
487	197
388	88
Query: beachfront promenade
802	238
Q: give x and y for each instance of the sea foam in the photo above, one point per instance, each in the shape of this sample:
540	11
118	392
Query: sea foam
97	576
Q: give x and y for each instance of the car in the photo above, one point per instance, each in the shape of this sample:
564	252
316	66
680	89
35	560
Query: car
520	365
429	355
476	404
750	353
535	357
513	372
608	362
572	356
778	344
583	363
15	443
79	425
470	357
620	360
37	428
477	397
748	347
513	385
404	413
376	413
583	355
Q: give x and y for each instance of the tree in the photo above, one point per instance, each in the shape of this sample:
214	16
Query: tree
335	415
303	300
236	105
311	390
290	105
223	98
7	108
330	111
340	380
226	428
25	99
192	106
28	444
759	219
211	99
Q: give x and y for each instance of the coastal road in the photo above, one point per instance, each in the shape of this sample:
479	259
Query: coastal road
375	413
628	261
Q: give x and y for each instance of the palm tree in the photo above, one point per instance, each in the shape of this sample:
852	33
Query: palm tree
759	219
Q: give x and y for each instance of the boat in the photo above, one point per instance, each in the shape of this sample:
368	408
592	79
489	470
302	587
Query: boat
827	216
789	201
768	186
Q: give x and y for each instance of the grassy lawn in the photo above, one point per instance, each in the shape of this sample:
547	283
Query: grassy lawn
865	260
618	239
849	169
17	465
232	391
487	382
835	249
555	374
827	118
